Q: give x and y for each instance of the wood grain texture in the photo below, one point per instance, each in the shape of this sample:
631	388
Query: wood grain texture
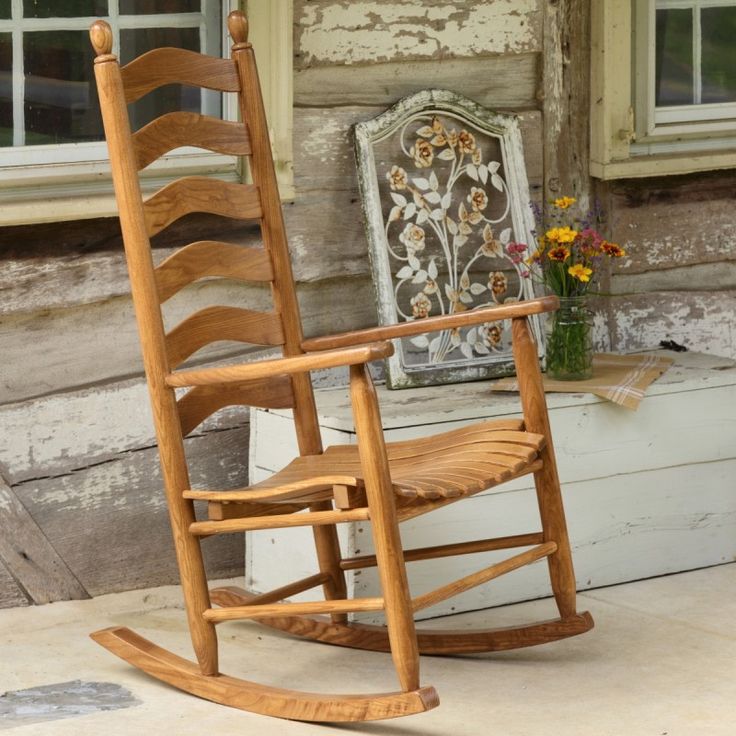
31	558
283	521
211	258
430	641
449	550
566	91
215	324
11	594
483	576
264	610
177	66
385	527
429	324
203	401
200	194
108	521
176	129
496	82
249	696
291	365
328	32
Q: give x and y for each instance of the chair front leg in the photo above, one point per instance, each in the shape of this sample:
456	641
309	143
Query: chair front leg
546	480
385	527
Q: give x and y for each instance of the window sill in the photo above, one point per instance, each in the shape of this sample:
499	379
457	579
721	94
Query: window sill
663	165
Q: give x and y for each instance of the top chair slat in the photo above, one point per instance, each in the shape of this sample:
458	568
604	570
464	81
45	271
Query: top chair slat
177	66
177	129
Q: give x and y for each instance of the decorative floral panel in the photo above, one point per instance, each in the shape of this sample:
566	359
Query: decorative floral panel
446	203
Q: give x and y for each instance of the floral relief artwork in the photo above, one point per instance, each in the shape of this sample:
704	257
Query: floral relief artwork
446	205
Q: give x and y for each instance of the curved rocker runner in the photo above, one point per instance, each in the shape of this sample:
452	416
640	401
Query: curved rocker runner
374	481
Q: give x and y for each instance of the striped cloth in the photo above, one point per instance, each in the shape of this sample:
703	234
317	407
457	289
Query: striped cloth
622	379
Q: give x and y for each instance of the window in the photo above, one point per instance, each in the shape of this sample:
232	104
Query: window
674	110
51	139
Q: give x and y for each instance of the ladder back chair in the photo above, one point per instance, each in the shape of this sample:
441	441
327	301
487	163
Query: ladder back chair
384	484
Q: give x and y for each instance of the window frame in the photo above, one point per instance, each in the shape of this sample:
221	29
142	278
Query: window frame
77	184
625	142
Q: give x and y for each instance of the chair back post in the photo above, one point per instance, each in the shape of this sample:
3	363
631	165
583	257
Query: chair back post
152	336
273	229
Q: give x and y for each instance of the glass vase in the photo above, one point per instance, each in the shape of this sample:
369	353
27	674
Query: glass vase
569	343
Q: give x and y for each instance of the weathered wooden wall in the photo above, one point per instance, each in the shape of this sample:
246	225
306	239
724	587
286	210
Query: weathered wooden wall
81	509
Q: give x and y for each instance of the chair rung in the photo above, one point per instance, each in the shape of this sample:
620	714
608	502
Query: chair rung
215	615
483	576
298	586
449	550
311	518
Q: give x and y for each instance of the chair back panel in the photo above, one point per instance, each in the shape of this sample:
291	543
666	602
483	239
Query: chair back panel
159	67
175	129
141	220
214	324
200	194
200	402
210	258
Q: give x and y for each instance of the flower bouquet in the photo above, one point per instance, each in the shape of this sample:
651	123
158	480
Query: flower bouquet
569	257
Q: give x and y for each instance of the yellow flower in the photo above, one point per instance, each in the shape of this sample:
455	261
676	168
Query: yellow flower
561	234
560	253
580	272
564	202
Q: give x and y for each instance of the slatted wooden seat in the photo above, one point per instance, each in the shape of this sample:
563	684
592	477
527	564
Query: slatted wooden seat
375	482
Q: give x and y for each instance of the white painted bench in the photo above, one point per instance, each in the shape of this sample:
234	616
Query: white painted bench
646	493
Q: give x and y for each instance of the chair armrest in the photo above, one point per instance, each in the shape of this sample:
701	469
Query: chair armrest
280	366
432	324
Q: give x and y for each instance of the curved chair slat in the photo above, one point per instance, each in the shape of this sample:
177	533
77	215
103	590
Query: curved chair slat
200	194
176	129
177	66
211	258
214	324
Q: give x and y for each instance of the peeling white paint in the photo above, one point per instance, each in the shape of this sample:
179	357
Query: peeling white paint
350	33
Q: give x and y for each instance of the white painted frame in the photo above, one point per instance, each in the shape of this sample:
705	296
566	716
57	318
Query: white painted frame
75	178
505	129
620	146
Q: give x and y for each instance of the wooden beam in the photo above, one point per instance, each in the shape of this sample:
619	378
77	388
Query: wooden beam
30	558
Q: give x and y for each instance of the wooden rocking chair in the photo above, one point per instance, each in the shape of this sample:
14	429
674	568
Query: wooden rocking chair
377	482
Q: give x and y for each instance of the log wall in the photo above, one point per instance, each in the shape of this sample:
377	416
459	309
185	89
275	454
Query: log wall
81	507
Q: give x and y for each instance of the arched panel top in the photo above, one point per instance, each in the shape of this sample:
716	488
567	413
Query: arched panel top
176	129
200	194
211	258
215	324
177	66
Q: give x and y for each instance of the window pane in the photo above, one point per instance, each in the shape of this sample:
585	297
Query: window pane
719	54
149	7
6	90
674	58
60	95
173	96
65	9
4	9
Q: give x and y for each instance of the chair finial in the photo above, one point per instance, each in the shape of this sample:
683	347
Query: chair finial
237	24
100	34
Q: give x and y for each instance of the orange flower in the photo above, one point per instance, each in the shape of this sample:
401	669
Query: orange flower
563	203
612	249
560	253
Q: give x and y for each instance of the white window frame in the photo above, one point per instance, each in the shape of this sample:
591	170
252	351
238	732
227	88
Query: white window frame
50	183
627	138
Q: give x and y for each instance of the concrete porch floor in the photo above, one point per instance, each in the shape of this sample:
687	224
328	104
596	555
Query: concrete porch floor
660	662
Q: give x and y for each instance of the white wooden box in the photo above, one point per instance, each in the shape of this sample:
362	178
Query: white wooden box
646	493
